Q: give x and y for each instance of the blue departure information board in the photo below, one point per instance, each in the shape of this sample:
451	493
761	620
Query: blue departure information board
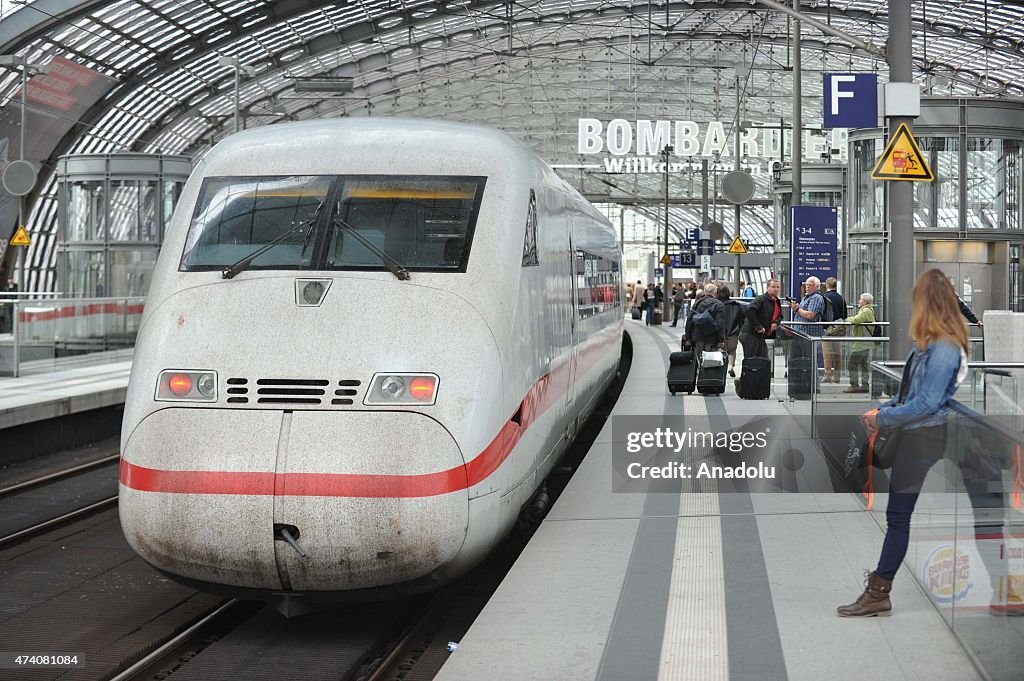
814	243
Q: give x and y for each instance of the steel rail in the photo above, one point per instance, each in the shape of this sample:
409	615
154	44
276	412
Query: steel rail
34	482
54	522
160	653
405	641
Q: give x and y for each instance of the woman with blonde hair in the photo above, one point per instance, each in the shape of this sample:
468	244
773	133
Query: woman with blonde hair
938	363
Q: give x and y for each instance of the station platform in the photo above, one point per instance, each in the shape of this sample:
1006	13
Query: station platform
43	396
690	583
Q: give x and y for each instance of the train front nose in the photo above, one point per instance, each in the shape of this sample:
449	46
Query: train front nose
372	498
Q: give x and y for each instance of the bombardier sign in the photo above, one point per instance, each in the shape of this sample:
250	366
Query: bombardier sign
635	146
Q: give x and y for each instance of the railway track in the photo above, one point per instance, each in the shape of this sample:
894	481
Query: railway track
44	501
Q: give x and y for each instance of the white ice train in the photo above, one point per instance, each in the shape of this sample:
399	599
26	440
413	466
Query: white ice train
363	407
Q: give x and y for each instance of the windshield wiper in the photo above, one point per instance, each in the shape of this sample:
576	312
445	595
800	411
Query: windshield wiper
392	265
231	270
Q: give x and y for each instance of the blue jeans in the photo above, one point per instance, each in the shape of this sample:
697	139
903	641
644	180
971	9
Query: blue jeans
918	452
650	312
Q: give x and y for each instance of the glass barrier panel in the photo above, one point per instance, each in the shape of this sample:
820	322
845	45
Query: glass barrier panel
64	333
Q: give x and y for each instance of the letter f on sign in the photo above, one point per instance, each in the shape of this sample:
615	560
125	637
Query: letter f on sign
838	94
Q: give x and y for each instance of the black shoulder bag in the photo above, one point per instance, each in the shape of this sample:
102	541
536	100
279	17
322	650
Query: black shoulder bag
879	449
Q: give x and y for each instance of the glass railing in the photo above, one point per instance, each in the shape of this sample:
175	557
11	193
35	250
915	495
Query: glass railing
807	389
967	534
38	336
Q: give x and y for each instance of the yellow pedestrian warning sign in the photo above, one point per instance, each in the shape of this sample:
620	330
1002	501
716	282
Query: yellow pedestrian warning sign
737	247
902	159
665	260
20	238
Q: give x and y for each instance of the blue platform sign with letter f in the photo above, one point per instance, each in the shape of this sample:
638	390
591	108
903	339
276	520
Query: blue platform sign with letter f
851	100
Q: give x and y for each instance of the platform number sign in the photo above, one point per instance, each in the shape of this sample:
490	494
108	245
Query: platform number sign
851	100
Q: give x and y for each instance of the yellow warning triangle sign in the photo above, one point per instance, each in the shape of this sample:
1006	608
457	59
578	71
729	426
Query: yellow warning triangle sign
737	247
20	238
902	159
665	260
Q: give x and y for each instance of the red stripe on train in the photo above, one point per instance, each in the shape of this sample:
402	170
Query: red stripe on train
537	400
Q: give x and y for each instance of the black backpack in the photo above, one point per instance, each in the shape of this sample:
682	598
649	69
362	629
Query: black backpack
704	323
877	333
826	314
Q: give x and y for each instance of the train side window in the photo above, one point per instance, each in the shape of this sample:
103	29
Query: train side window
597	283
530	257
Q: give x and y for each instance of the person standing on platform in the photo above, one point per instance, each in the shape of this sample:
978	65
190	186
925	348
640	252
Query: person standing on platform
760	321
860	353
678	298
733	316
638	295
748	291
659	297
833	350
811	309
649	304
938	364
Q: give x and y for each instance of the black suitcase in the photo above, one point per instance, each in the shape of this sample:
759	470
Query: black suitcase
755	382
711	380
801	377
636	314
656	317
682	373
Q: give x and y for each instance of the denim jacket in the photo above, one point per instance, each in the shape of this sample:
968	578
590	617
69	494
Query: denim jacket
932	384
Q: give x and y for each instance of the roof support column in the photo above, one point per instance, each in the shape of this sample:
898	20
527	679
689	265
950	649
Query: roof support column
901	195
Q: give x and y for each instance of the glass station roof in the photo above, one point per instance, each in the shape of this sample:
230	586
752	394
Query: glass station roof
532	68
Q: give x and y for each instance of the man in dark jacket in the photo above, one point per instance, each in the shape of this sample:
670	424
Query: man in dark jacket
762	319
831	349
733	315
967	312
706	336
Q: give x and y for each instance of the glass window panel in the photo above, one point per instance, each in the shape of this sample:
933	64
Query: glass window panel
993	185
867	274
868	194
937	203
237	216
148	228
131	271
85	277
172	192
86	211
424	223
124	210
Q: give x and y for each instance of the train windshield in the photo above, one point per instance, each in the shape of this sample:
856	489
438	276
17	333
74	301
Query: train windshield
422	223
237	216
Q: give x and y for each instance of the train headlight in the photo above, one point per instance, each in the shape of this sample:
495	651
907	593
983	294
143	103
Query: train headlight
392	389
176	385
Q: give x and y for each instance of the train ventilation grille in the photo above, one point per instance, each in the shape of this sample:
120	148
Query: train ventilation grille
306	391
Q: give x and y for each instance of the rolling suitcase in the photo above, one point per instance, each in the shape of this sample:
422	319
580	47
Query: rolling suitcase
682	374
801	378
657	317
711	380
636	313
755	381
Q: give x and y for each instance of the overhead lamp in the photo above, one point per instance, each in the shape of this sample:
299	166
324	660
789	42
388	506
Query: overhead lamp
323	84
240	68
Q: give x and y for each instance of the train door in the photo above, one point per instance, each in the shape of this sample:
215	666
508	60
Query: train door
570	392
